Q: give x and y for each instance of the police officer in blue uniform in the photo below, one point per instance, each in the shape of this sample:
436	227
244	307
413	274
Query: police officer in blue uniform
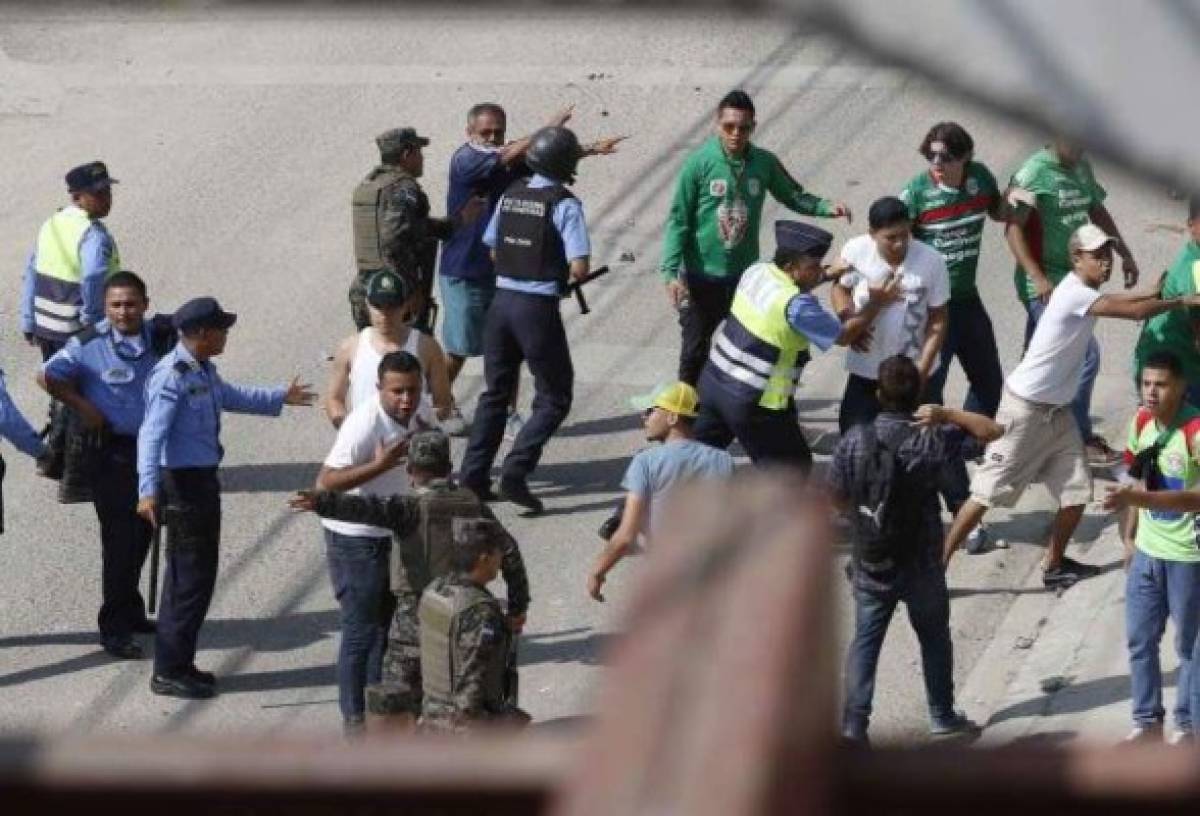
101	375
540	242
179	449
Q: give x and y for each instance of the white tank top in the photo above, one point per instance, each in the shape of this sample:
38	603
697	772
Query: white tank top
364	370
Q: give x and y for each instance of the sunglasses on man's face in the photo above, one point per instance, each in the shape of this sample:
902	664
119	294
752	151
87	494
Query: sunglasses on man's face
942	157
736	127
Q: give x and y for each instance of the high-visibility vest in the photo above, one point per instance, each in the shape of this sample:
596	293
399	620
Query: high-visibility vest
755	350
57	293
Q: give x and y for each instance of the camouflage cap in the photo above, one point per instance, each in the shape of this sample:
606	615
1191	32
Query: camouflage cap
429	451
397	139
483	532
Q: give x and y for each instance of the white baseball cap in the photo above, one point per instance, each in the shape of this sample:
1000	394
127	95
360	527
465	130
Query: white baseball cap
1089	238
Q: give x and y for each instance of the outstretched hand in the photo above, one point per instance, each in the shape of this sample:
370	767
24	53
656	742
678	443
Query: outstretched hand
387	456
299	393
606	146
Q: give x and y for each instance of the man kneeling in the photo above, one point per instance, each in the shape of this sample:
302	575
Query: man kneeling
466	642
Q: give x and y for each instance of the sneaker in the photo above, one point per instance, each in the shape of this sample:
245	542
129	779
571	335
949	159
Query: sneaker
207	678
513	426
185	687
1180	738
517	492
977	541
960	723
1068	573
1100	453
455	424
123	649
1084	570
1145	732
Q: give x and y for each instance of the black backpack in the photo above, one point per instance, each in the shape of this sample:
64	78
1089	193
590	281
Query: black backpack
886	512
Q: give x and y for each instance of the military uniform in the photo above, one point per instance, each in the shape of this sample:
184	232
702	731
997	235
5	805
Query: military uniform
465	647
179	450
392	227
422	525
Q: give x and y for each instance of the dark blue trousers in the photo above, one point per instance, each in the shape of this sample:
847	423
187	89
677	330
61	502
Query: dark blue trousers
970	338
769	437
193	515
520	328
124	538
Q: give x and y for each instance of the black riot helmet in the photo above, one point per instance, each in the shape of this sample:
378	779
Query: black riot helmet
554	152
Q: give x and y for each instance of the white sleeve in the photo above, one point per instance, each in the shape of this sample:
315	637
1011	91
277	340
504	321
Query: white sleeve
939	286
851	254
1082	299
355	441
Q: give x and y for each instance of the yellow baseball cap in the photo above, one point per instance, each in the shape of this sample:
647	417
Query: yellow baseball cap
678	398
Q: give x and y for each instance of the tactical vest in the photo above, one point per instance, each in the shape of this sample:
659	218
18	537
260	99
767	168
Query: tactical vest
373	237
425	553
440	613
528	245
57	292
756	351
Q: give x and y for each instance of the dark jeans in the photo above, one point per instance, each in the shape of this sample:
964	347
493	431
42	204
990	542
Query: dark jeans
124	537
520	328
970	338
769	437
708	304
1081	406
1156	589
358	570
193	516
925	595
860	404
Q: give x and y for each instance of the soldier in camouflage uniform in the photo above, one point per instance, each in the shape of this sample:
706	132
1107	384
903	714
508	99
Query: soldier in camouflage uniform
421	523
466	641
392	226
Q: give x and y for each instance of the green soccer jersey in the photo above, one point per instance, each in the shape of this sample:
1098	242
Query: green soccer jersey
951	219
713	224
1160	533
1065	196
1172	331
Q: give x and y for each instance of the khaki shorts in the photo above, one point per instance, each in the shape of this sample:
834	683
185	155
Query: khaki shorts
1041	443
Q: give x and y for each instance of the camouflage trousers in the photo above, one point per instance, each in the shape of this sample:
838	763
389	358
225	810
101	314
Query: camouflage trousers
444	718
399	689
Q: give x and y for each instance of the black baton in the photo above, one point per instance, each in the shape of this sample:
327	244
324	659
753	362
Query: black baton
155	547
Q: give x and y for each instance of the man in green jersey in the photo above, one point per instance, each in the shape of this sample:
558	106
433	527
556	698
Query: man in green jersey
1059	193
1162	550
1178	332
712	229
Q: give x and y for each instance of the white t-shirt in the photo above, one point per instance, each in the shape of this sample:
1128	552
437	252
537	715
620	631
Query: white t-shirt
365	427
900	327
1052	366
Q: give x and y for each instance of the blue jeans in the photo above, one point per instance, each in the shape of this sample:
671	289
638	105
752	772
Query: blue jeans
925	595
1155	589
1081	406
358	569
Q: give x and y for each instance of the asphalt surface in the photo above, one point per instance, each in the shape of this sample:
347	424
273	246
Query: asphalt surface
238	137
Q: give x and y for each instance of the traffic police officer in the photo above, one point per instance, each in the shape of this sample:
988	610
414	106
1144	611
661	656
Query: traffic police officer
466	642
392	226
101	375
424	548
747	386
540	241
63	287
178	453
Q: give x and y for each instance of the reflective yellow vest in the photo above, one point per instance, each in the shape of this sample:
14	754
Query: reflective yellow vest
756	346
57	295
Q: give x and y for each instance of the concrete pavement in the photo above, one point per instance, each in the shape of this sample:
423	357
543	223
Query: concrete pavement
238	136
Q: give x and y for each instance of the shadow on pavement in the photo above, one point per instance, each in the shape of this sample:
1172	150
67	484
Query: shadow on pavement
583	648
78	663
603	425
279	477
1076	697
280	679
559	479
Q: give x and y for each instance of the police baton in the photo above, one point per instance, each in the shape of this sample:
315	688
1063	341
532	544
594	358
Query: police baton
155	548
576	288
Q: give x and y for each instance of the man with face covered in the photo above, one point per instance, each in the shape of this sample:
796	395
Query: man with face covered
712	228
482	168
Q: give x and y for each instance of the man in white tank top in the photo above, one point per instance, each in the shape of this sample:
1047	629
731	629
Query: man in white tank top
393	307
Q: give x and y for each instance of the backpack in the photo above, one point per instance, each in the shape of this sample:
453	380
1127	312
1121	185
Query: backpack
886	512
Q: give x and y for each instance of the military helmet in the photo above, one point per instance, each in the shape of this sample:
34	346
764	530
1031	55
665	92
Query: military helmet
429	451
554	152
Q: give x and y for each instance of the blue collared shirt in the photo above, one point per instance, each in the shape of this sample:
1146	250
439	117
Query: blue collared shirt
807	316
109	371
568	219
15	427
95	248
184	401
475	170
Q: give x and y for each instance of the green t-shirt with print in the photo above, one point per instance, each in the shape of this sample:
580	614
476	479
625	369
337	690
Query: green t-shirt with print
1164	534
1065	196
951	220
1172	331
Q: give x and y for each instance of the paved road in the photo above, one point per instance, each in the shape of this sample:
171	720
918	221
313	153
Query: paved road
238	137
